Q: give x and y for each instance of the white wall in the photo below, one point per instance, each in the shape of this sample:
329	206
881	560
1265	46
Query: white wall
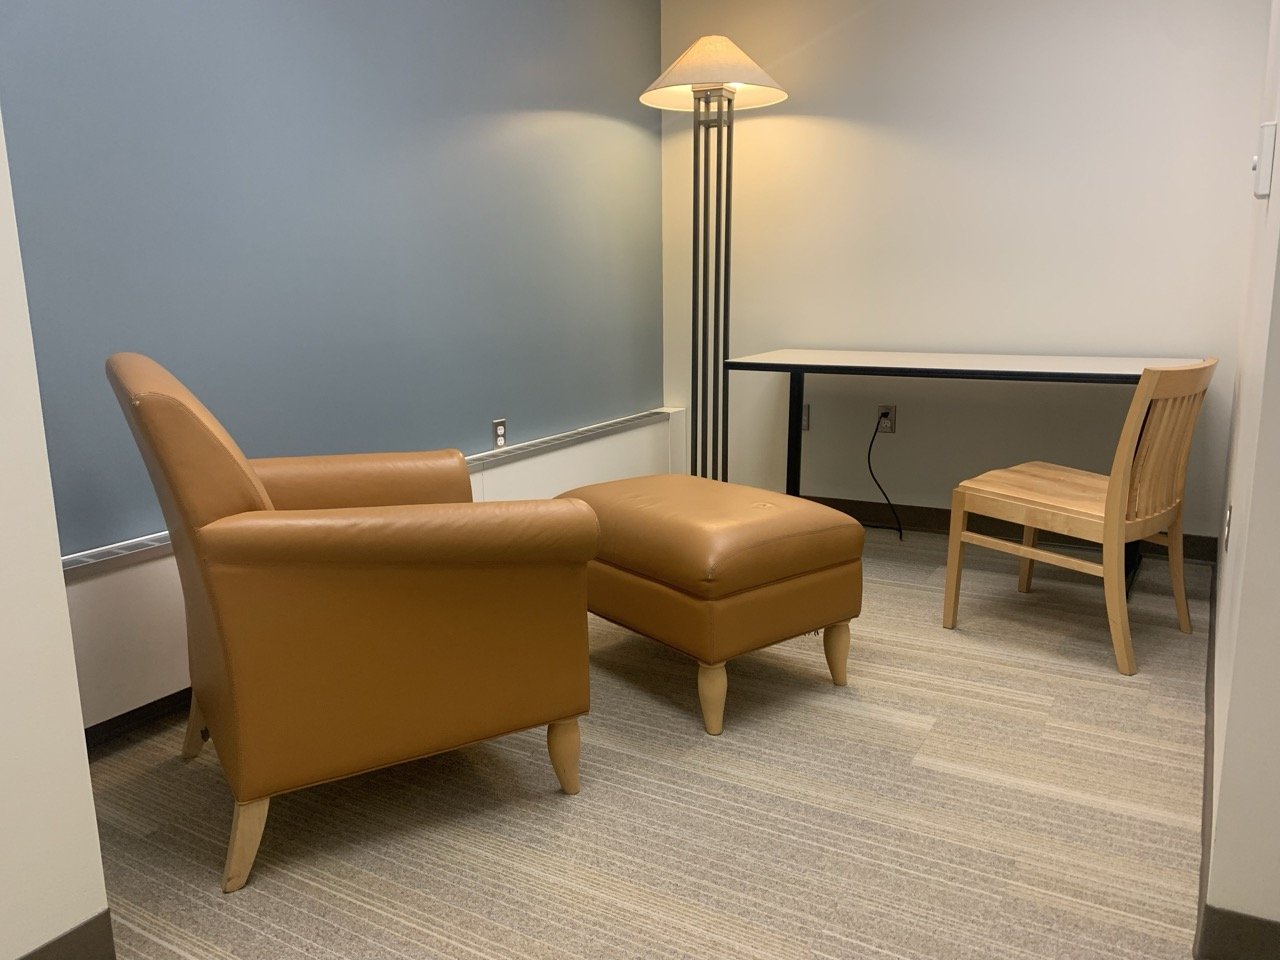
129	625
51	878
130	632
1244	862
988	176
631	453
1253	338
1244	871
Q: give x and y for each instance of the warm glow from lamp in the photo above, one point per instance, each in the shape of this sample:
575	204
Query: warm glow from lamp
713	61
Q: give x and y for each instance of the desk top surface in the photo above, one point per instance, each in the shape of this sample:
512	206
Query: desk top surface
977	366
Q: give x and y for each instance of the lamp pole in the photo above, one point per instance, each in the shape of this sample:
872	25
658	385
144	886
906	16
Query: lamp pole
712	78
712	236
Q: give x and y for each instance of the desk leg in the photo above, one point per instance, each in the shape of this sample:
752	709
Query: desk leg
795	416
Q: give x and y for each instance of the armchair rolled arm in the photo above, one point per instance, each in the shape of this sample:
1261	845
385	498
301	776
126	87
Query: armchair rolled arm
364	479
514	531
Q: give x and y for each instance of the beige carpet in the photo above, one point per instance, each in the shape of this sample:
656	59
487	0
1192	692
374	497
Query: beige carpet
997	791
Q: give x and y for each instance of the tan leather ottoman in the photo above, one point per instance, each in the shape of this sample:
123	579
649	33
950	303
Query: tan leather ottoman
718	569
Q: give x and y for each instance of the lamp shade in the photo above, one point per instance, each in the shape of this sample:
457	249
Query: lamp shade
713	60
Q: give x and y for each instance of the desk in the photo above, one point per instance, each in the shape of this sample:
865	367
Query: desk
949	366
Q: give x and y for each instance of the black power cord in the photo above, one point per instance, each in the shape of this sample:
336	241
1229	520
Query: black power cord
870	469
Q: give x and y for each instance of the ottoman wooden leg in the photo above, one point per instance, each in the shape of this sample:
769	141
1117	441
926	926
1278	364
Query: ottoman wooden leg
564	743
835	641
713	684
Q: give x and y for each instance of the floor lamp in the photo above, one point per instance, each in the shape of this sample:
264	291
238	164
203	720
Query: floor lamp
711	79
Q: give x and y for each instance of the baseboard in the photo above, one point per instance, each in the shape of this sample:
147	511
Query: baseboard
1227	935
872	513
91	940
108	730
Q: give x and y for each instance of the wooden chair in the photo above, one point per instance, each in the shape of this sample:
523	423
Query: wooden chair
1140	500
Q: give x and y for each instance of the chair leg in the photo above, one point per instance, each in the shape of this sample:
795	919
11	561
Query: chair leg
713	685
1026	565
1117	605
196	732
564	744
246	833
955	557
835	643
1176	574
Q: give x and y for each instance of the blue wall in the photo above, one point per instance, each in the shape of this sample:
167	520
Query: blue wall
345	225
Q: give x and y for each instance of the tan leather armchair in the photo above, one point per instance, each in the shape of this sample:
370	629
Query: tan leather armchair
343	612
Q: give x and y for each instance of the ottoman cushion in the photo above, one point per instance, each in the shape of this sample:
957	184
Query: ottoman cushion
711	540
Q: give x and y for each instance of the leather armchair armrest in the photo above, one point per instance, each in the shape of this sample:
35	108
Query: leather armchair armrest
364	479
506	532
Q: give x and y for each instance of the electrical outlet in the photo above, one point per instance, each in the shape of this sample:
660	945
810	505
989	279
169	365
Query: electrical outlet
499	433
887	414
804	418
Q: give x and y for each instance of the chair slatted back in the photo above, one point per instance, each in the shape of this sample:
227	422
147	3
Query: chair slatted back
1149	472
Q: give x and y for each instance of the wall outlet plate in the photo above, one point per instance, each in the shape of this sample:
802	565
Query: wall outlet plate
887	418
499	433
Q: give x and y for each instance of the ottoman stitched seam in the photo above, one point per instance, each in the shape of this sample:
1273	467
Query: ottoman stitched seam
693	596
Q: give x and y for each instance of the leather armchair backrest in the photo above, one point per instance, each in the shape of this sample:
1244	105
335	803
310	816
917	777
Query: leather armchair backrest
200	476
199	473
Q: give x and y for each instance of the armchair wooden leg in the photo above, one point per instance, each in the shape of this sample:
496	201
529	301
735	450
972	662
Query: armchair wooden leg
835	642
1026	565
713	684
246	833
564	744
1113	582
1176	574
196	732
955	557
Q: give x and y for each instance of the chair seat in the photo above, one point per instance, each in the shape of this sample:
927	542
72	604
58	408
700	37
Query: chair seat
1047	486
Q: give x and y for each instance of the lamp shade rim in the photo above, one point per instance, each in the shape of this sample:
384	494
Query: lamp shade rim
680	96
713	61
